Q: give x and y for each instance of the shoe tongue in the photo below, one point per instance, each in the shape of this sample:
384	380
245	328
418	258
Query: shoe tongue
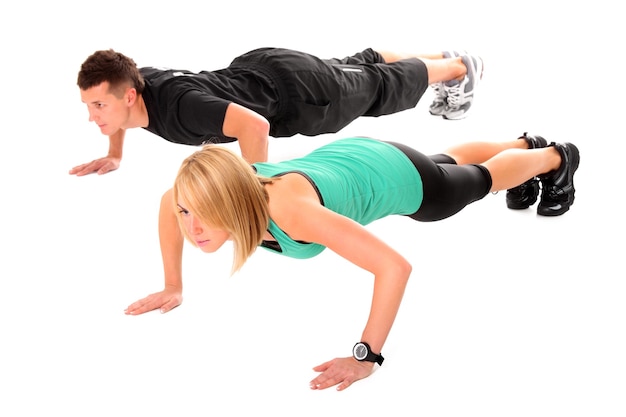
452	83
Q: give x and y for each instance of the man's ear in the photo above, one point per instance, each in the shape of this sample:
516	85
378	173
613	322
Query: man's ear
130	96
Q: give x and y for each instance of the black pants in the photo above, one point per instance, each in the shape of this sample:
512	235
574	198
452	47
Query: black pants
448	187
324	95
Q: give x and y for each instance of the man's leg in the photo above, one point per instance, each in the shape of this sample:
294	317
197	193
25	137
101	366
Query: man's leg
453	75
440	68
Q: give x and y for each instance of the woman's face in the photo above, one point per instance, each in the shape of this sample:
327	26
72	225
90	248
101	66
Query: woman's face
209	239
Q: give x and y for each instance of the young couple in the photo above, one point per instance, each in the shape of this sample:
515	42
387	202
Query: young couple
325	199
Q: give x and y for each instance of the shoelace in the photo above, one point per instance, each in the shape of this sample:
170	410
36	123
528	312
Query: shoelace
454	95
440	93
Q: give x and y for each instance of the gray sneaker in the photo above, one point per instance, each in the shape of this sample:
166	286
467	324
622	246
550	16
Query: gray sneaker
460	94
440	101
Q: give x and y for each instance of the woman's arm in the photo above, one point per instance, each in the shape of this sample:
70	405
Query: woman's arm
171	241
315	223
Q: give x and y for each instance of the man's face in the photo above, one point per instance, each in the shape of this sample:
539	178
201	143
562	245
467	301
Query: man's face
109	112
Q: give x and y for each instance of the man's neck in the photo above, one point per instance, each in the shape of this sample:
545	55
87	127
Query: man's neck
140	113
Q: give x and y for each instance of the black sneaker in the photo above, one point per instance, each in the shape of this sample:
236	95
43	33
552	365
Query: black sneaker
557	187
525	195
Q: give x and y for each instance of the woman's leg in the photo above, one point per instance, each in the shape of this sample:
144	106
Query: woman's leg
482	167
513	167
519	197
446	187
510	163
555	166
479	152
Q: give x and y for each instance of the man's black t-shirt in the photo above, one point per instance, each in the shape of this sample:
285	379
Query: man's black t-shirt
189	108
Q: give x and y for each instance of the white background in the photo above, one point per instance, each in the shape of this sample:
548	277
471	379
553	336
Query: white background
506	313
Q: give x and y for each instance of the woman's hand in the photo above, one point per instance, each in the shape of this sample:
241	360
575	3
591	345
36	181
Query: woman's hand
342	371
164	300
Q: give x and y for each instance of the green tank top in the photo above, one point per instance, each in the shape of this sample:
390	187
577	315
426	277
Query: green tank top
361	178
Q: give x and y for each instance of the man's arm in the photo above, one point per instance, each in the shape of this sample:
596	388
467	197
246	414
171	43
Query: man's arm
109	163
251	130
116	144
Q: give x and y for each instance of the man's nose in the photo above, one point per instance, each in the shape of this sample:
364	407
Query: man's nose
92	115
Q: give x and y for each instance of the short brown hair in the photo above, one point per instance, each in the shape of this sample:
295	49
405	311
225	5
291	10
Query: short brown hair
113	67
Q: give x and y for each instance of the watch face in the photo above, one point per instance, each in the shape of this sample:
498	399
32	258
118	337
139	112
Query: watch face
360	351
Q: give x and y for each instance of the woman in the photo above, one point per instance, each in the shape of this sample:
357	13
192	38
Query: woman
322	200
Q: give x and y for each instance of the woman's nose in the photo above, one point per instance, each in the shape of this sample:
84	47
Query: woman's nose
196	226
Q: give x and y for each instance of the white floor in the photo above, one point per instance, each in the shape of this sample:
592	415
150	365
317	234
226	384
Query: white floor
506	314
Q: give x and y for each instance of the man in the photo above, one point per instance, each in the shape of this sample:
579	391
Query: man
266	92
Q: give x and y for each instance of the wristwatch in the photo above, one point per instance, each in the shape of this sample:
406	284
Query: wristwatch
362	352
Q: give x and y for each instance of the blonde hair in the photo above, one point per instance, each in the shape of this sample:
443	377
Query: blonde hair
222	190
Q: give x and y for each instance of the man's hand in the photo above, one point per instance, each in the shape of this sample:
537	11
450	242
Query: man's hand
99	166
164	300
342	371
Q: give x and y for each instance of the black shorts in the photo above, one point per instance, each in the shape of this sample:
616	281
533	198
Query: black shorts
447	187
325	95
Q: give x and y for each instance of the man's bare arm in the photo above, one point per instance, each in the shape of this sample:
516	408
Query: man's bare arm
251	130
